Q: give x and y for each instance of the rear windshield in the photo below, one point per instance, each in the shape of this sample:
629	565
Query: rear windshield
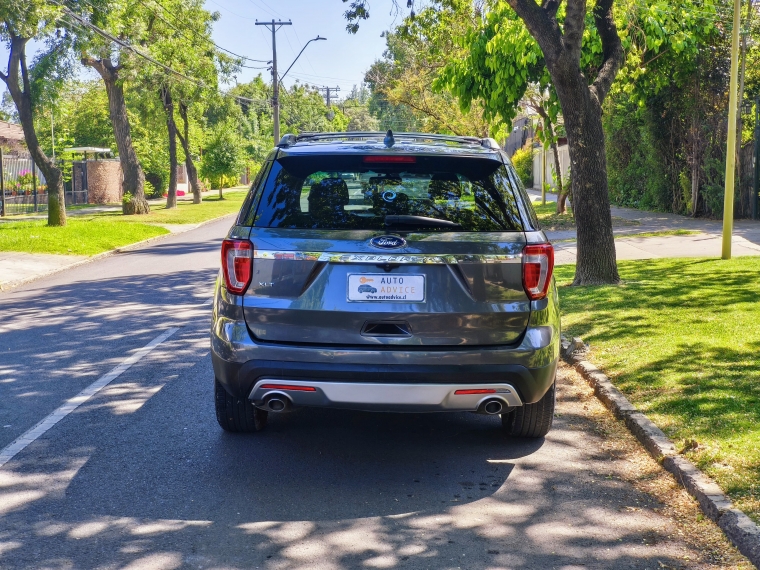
423	194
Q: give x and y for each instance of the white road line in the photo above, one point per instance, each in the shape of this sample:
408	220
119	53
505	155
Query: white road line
9	452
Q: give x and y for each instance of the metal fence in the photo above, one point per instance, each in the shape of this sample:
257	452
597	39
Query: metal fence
21	196
24	186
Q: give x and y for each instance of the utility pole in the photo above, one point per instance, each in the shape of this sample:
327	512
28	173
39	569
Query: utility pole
328	91
728	199
274	26
755	197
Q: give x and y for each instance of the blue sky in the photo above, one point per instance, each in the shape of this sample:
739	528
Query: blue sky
340	61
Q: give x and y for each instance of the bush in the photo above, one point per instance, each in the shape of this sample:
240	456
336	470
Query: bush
523	162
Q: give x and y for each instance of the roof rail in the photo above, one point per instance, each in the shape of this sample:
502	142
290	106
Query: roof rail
310	136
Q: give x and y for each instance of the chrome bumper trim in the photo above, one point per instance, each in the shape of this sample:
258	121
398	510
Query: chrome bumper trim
385	397
374	258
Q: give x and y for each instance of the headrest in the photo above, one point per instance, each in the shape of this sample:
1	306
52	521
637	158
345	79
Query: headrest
328	193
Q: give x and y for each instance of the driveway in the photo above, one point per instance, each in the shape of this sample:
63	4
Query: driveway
139	475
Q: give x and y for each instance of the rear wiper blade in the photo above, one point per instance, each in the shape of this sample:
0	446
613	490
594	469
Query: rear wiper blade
420	222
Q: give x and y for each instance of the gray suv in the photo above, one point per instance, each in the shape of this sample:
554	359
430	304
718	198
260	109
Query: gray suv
395	272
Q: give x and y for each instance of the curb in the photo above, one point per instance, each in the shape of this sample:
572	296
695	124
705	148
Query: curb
743	533
4	288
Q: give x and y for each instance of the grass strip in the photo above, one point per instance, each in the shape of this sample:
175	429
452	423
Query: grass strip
681	338
103	231
80	236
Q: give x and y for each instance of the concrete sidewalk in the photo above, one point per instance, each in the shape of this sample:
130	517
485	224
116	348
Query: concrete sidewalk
745	241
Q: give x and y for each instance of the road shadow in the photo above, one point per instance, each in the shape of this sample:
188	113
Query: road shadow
163	487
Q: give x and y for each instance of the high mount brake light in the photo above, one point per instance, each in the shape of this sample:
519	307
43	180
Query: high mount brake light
237	264
389	159
537	265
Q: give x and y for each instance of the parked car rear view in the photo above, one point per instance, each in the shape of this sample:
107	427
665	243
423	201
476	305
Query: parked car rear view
386	272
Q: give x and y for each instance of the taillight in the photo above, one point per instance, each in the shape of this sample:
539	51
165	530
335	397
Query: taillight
537	264
237	264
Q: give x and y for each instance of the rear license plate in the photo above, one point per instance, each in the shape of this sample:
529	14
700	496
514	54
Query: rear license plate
385	287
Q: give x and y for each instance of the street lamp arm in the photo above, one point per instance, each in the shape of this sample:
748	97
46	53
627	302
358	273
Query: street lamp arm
299	55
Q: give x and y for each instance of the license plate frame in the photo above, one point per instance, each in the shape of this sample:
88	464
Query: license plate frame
388	288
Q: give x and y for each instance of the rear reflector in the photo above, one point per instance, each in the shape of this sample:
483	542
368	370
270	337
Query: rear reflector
476	391
288	387
237	264
389	159
538	265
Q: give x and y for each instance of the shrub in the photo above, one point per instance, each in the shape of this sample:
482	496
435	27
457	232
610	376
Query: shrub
523	162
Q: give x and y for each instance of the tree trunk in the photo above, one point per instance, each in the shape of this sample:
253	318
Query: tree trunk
192	171
134	178
596	263
166	99
560	189
22	98
582	109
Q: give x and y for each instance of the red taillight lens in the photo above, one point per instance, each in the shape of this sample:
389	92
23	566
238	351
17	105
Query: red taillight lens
237	264
389	159
475	391
538	265
289	387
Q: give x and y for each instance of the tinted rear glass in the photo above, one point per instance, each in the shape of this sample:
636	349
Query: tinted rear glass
429	194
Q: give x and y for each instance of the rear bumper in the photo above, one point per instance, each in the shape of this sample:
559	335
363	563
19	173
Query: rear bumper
385	397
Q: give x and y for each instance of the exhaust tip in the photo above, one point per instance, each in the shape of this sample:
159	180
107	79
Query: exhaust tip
493	407
277	404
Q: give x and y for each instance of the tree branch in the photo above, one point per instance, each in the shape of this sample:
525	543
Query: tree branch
22	63
612	49
551	7
542	27
575	24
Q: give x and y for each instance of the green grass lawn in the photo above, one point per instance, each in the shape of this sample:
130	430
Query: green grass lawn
80	236
681	338
96	233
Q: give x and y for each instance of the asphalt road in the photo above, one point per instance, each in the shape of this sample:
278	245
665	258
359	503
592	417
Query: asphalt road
141	476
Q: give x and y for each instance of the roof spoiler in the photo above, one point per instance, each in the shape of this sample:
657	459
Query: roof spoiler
290	139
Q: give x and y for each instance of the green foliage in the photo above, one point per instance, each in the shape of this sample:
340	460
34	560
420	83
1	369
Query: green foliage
222	158
523	163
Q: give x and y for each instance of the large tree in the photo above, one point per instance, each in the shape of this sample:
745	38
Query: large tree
115	64
19	23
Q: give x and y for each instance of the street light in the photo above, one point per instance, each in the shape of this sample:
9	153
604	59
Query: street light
299	55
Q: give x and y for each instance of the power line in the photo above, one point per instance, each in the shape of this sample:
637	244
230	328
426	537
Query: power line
127	46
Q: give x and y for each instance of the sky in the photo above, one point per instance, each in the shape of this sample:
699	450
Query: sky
341	61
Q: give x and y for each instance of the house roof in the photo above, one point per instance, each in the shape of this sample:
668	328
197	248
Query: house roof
11	132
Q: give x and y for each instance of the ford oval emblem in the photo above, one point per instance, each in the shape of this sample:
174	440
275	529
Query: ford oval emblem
388	242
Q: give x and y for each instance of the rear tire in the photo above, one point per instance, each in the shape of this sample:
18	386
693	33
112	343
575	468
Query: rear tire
237	415
531	420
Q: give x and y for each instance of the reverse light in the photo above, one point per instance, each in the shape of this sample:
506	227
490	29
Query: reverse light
537	265
237	264
475	391
389	159
288	387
